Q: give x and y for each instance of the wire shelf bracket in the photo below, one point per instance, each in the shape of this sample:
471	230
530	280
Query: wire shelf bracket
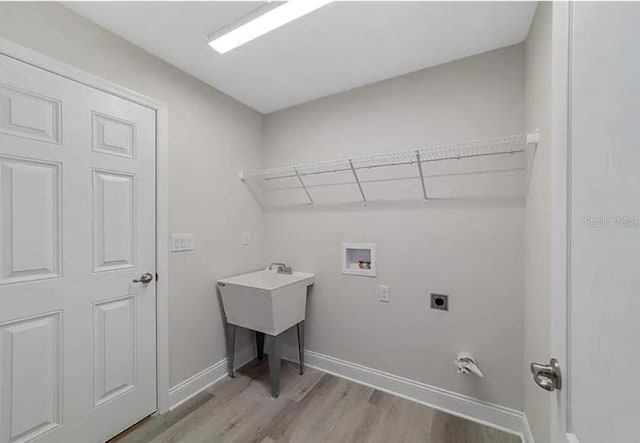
306	191
355	175
419	163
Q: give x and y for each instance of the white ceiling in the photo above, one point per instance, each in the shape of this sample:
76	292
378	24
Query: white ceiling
338	47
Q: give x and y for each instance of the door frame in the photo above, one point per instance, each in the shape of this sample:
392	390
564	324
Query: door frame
560	420
38	60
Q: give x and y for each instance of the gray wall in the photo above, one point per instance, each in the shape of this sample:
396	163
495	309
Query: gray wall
471	249
538	220
211	137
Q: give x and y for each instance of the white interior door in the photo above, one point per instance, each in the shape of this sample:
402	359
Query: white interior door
77	225
597	333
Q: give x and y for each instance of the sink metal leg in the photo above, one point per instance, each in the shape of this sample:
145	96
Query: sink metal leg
260	344
231	338
300	328
275	354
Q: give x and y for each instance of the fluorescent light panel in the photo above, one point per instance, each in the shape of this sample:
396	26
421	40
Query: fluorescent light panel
273	19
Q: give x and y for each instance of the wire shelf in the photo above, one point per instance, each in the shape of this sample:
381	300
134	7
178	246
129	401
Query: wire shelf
512	144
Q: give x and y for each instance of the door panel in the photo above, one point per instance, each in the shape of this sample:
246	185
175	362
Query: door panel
30	223
28	114
605	206
77	226
30	383
597	337
114	235
113	136
114	348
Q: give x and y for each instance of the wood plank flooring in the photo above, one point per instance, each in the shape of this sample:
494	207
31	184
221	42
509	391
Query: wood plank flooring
315	407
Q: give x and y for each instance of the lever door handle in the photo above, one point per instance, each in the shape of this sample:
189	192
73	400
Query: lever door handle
145	278
548	377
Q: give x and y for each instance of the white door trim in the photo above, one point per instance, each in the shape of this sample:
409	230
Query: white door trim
560	215
15	51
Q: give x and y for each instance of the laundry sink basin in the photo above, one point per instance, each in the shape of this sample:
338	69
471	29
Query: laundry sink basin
266	301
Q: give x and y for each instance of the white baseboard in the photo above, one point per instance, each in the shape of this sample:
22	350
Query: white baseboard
500	417
204	379
506	419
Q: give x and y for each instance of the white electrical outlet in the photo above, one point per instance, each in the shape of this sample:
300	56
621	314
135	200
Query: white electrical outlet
246	238
181	242
383	293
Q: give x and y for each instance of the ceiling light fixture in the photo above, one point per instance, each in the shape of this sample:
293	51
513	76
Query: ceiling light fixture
273	19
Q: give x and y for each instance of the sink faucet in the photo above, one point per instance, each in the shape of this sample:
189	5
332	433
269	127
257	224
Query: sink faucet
282	268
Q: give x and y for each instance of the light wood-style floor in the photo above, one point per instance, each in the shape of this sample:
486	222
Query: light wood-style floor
315	407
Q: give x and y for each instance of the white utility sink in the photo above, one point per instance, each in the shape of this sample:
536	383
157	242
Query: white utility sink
266	301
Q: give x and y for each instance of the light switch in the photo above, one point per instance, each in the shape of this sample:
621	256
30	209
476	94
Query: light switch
246	238
181	242
383	293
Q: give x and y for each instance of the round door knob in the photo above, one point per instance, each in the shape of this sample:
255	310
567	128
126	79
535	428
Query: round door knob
145	278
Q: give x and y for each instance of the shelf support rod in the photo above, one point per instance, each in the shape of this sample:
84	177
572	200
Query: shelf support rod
355	175
306	191
419	161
